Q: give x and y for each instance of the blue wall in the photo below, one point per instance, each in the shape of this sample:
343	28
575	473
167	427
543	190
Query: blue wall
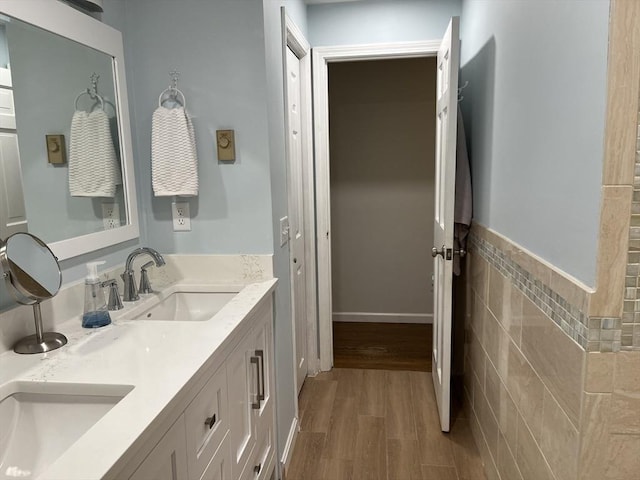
378	21
229	53
535	113
223	79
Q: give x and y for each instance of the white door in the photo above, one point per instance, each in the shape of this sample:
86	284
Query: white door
446	129
296	215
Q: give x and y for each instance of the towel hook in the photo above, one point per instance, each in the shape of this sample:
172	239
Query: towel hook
175	75
173	91
91	91
94	84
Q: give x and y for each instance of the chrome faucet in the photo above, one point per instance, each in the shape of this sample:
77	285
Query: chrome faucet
130	291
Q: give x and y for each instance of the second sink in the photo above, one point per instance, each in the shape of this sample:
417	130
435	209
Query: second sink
41	420
186	306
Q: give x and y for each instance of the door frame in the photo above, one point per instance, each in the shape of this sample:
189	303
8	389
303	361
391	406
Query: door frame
322	56
294	39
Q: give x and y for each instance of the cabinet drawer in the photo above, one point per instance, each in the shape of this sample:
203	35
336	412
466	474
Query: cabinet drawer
206	423
265	451
220	466
260	464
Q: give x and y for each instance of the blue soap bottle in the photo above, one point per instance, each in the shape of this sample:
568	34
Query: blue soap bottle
95	307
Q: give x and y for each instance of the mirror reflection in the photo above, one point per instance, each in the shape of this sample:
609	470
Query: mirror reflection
59	147
34	273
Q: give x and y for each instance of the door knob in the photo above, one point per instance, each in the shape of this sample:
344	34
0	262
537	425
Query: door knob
435	252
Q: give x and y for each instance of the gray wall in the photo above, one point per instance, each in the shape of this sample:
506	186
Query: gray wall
535	110
377	21
382	130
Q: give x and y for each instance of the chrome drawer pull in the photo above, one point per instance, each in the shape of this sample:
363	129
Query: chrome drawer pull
256	405
260	354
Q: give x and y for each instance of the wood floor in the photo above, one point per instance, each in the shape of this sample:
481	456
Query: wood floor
388	346
378	425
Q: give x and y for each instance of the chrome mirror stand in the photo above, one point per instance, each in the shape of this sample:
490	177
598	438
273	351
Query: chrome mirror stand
41	342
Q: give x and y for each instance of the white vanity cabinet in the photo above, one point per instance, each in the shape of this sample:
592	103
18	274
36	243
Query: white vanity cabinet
227	430
251	403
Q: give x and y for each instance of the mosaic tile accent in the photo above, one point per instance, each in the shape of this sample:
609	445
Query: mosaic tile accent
630	327
568	317
594	334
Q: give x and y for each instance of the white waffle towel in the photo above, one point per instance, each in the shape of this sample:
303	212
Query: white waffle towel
174	159
94	170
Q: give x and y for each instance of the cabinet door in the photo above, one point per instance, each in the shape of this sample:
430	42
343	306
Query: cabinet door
7	109
206	423
168	459
242	391
263	349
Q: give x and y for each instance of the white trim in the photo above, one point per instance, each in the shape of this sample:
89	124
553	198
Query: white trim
294	39
321	57
285	462
368	317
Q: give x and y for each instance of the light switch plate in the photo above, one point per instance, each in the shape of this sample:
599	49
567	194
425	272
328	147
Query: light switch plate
284	231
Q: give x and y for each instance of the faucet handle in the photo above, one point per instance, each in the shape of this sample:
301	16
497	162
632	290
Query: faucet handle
145	284
114	303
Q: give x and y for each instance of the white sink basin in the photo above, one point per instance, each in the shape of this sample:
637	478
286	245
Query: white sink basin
40	421
187	306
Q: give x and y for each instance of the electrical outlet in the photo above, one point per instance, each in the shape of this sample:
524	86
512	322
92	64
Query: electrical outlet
110	215
181	217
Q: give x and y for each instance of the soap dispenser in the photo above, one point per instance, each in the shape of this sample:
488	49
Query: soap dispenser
95	307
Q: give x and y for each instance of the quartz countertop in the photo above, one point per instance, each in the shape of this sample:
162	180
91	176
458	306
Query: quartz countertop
157	358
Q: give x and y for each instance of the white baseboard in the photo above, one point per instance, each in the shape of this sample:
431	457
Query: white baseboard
291	443
367	317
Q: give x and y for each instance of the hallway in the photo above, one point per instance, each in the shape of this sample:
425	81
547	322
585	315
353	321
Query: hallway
376	424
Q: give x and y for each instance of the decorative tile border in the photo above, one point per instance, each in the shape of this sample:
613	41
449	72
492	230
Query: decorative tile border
592	334
630	334
568	317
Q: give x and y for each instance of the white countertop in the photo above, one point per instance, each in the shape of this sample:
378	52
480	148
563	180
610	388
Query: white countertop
157	358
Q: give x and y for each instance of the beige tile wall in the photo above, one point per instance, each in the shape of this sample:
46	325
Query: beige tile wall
610	447
542	406
523	380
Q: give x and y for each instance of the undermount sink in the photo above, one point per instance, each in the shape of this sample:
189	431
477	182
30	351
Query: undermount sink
187	306
41	420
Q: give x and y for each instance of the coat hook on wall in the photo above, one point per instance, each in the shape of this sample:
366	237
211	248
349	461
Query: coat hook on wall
173	93
460	97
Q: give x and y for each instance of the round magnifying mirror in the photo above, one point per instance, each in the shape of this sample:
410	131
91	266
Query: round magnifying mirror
32	275
31	269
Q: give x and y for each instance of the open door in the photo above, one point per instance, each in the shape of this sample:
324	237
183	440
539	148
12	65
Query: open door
446	131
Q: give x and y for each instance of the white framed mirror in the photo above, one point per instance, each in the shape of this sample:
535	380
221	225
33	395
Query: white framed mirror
49	55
